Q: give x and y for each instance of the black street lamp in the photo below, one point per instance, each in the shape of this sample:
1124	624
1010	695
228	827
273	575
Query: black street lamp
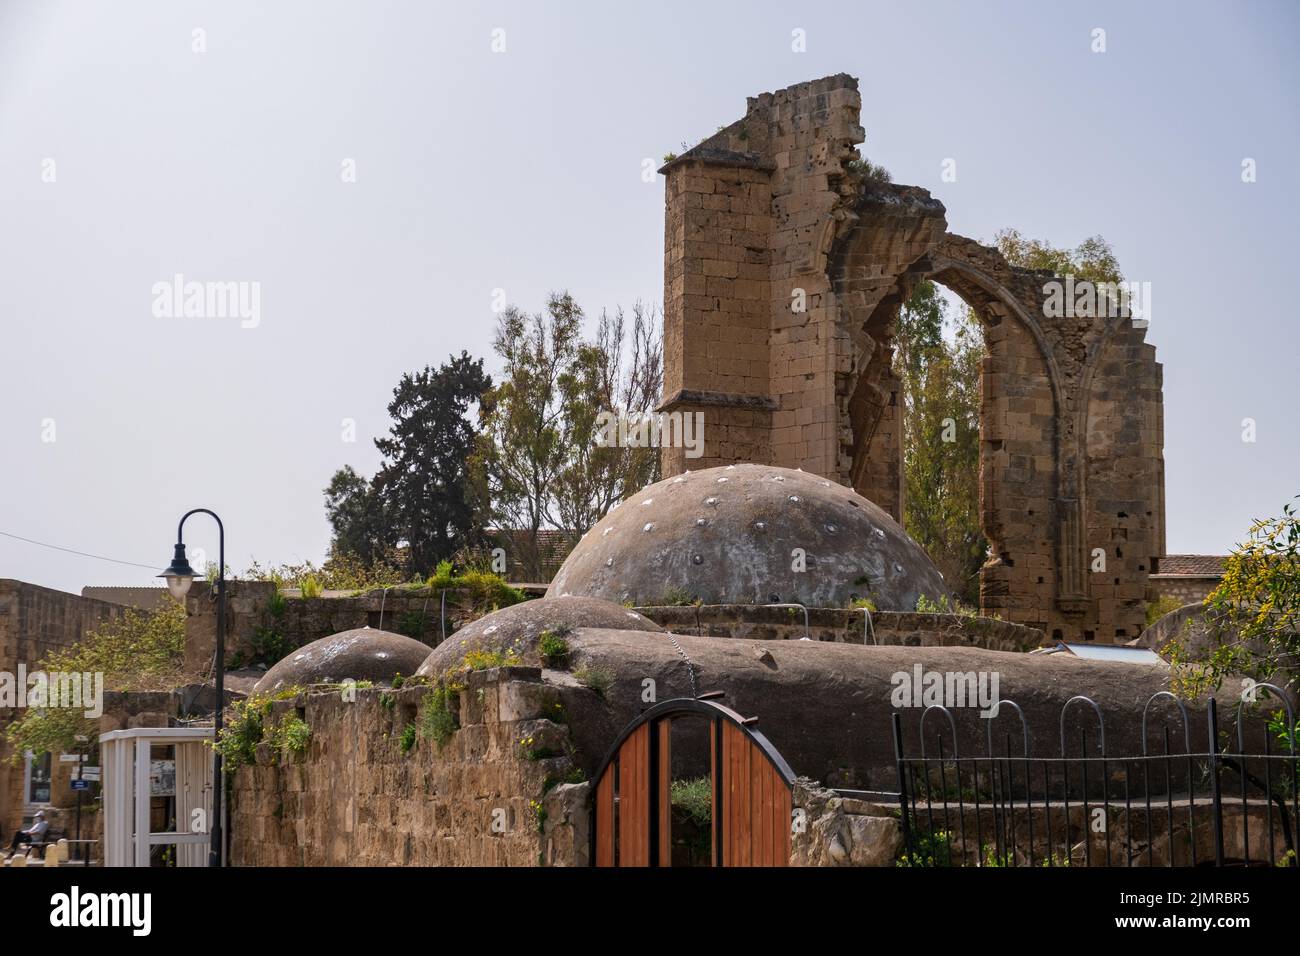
179	577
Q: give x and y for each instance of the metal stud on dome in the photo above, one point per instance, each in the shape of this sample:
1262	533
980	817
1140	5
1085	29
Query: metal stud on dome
698	559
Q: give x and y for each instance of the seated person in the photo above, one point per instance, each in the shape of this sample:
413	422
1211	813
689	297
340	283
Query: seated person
33	834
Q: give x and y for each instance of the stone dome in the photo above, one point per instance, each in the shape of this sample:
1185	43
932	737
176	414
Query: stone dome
363	653
749	534
520	625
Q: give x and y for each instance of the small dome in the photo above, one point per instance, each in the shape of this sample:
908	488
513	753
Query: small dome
520	625
363	653
749	534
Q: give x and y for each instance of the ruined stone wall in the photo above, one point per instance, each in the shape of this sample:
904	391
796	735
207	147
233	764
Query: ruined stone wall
774	206
417	614
493	795
1124	482
845	626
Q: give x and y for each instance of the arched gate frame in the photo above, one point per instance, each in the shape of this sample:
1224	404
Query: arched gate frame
752	791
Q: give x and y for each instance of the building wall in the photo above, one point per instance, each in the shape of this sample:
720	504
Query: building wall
1187	589
34	621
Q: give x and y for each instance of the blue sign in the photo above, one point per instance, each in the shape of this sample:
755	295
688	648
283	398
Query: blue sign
81	785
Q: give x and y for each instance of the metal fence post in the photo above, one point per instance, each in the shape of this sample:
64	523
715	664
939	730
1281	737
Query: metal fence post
1217	789
902	783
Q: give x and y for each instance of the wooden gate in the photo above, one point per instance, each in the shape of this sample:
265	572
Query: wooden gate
752	791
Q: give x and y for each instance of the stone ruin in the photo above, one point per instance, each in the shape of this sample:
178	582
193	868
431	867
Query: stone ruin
784	271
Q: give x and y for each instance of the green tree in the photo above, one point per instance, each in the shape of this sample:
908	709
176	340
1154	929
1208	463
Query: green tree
539	463
423	484
355	511
941	380
1092	260
604	381
1253	616
520	451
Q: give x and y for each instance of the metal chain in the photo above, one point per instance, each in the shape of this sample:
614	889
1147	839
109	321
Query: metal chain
690	666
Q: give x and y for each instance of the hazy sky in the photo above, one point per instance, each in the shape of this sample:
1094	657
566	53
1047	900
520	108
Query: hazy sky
521	170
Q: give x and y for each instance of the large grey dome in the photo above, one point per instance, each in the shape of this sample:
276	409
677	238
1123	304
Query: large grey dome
363	653
519	627
749	534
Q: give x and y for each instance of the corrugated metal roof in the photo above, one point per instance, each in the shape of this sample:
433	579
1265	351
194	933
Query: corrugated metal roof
1110	652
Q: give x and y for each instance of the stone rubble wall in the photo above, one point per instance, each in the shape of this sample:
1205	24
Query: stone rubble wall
846	626
417	614
354	799
1185	588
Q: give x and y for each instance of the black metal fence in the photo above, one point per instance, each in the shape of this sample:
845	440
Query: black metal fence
1222	804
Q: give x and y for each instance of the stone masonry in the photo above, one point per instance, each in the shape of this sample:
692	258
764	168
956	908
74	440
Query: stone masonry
494	794
784	270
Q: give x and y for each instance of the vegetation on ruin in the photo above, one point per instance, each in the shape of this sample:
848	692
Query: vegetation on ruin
674	596
1253	616
343	571
486	590
438	719
289	736
595	679
552	648
267	644
249	724
407	739
141	651
866	169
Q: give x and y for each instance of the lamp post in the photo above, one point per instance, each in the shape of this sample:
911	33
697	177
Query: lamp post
180	576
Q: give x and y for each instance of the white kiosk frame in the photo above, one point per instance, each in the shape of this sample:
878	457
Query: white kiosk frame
125	756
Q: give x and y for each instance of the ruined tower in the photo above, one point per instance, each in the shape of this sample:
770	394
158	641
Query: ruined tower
784	270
